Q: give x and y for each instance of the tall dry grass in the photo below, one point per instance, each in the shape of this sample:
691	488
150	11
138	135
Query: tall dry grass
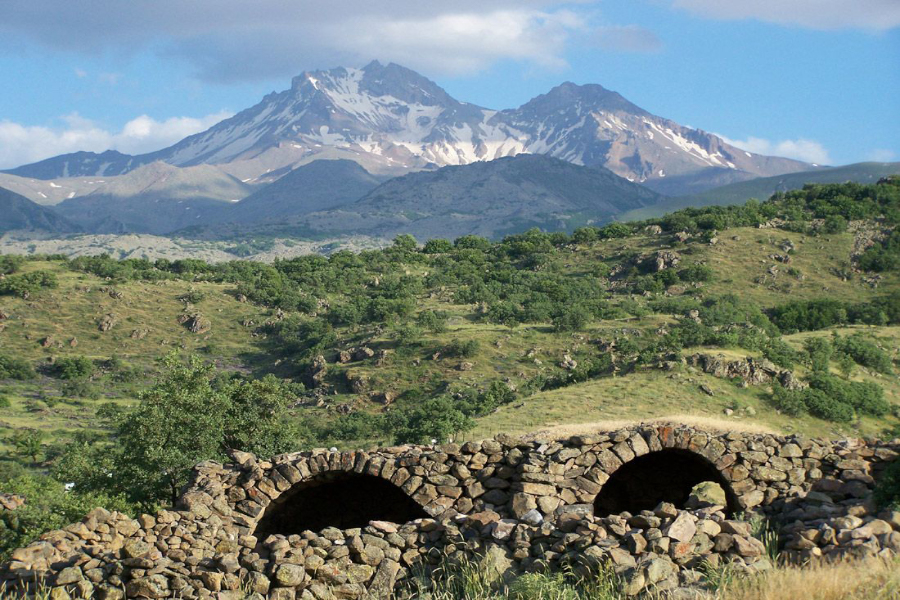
872	579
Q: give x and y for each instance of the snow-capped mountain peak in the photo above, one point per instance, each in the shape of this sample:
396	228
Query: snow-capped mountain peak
393	120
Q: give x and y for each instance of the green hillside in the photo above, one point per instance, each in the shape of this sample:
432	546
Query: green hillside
761	188
781	316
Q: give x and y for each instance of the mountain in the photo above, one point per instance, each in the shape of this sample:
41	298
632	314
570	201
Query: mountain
392	120
48	192
491	199
156	198
19	213
80	164
319	185
763	188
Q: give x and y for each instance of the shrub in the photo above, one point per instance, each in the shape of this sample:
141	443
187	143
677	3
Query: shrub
75	367
4	402
864	353
887	491
437	246
434	321
820	352
780	353
826	407
573	318
460	349
25	284
15	368
10	263
789	402
696	273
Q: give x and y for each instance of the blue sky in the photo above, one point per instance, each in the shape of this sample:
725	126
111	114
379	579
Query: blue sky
817	80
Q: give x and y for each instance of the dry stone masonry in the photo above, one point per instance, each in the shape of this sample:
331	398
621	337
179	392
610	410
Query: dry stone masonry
329	524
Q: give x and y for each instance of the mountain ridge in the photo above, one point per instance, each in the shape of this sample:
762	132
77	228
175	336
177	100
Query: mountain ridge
392	120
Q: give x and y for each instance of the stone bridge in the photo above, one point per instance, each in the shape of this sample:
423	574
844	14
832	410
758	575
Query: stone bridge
330	524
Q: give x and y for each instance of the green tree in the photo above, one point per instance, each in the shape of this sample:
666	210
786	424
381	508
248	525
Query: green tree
28	443
257	417
178	423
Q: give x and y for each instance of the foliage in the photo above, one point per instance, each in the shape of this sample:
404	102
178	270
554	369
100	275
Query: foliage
48	505
25	284
10	263
73	367
887	491
12	367
461	349
864	352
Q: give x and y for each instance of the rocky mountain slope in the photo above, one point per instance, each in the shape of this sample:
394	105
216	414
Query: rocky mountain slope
19	213
393	120
317	186
488	198
157	198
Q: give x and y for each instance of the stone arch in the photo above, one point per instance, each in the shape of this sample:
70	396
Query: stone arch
339	498
665	475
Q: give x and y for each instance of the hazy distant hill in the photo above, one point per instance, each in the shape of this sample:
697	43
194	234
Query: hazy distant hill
18	212
156	198
319	185
763	188
488	198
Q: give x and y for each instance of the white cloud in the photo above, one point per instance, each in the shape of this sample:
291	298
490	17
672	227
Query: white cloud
809	151
878	15
21	144
236	39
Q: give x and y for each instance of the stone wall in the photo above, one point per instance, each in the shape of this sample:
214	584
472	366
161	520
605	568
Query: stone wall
316	524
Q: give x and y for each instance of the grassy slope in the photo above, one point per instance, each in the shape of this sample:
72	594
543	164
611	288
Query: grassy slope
739	260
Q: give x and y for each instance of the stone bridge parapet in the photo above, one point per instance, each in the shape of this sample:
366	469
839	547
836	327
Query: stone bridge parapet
349	524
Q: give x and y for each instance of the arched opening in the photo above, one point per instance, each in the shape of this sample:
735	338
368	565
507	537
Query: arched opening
337	499
664	476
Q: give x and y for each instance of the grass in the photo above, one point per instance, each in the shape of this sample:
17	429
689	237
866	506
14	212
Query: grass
850	579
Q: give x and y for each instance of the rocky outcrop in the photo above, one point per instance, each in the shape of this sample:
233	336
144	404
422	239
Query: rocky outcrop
521	503
195	323
751	371
107	322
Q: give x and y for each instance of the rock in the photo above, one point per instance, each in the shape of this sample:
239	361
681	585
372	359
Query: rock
748	547
46	342
154	586
289	575
653	229
568	363
195	323
3	315
706	390
139	334
106	322
465	366
69	575
363	353
665	259
682	528
135	548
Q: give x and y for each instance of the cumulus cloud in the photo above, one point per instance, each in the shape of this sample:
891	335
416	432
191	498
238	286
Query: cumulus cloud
878	15
20	144
627	38
236	39
809	151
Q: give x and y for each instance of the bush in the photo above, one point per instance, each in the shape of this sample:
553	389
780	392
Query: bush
434	321
10	263
887	491
780	353
865	353
460	349
820	352
4	402
789	402
696	273
572	318
25	284
437	246
15	368
826	407
75	367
